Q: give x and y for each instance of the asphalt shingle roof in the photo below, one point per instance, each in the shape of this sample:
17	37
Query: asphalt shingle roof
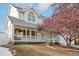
19	22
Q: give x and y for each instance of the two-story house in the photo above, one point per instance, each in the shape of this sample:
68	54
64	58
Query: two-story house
21	24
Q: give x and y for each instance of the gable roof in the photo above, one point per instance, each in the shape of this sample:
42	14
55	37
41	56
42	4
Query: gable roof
19	22
23	7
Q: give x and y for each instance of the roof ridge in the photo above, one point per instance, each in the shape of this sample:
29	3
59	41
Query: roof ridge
16	6
33	8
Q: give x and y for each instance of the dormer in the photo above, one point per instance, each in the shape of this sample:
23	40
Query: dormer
30	16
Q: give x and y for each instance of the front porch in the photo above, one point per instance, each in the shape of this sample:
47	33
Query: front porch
28	35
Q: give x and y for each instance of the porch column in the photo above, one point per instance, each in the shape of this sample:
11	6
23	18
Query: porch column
30	33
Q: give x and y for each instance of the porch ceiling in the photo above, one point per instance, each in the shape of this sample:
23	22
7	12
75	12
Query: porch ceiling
19	22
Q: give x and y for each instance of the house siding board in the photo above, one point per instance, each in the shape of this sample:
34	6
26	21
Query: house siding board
10	29
21	15
13	11
62	41
39	21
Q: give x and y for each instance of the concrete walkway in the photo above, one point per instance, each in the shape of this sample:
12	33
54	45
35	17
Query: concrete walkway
5	52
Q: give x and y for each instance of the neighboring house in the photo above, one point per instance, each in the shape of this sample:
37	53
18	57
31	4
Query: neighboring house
4	39
21	24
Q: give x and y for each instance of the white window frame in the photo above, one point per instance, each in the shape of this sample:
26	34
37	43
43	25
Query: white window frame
31	17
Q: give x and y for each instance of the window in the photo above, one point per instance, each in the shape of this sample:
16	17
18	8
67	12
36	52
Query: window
33	33
28	32
31	17
24	32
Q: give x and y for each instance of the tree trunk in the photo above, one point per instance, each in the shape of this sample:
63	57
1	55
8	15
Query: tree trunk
66	39
67	43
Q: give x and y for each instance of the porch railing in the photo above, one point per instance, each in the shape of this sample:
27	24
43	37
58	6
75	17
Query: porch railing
28	38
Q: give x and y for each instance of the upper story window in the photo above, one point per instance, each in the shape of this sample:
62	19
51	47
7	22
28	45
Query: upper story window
31	17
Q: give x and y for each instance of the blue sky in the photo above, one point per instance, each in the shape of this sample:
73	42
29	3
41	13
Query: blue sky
3	13
43	9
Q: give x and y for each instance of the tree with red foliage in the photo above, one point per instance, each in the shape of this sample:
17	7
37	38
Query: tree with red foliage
65	22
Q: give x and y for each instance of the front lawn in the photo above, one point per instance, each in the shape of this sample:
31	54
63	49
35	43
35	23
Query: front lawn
43	50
